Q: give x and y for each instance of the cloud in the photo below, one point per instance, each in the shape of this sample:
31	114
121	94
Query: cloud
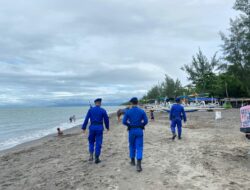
53	50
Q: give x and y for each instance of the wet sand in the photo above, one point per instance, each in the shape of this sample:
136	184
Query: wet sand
211	155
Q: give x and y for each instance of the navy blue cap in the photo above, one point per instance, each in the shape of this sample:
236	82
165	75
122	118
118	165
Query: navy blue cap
134	100
98	100
178	100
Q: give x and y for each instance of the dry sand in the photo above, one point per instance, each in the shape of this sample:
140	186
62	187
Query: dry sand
211	155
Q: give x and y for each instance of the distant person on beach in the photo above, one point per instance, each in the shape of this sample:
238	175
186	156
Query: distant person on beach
121	112
70	119
176	115
96	115
74	118
152	117
135	119
59	132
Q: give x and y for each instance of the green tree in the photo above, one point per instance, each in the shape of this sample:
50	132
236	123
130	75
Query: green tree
236	47
168	88
171	88
154	93
228	85
201	71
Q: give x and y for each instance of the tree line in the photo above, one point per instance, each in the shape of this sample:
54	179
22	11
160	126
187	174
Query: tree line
226	76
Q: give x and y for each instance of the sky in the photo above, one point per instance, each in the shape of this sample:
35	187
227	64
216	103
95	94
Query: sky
69	51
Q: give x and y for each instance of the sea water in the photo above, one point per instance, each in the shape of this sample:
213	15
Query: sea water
25	124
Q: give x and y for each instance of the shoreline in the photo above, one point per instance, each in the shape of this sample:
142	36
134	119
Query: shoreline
38	141
29	144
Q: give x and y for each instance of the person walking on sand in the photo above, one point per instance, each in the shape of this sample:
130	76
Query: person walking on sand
121	112
152	117
177	113
135	119
96	115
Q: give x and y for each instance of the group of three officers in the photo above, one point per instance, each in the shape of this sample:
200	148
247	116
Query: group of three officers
135	119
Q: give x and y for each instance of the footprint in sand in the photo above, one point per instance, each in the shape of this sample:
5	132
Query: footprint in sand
112	177
198	176
117	169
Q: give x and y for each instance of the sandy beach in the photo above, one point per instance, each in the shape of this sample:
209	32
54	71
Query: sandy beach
211	155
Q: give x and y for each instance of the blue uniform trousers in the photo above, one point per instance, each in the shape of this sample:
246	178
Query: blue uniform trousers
95	141
178	123
136	143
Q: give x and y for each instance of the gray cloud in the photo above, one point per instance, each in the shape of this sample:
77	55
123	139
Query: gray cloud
53	50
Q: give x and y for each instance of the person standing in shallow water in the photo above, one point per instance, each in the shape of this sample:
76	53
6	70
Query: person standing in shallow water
176	115
96	115
135	119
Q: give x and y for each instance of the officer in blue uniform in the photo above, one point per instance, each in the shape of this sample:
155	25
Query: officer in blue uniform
96	115
135	119
177	113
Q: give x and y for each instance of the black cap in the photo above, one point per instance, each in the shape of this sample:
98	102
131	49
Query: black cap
134	100
98	100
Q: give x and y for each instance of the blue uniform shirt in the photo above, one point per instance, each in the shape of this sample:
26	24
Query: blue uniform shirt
96	115
135	117
177	113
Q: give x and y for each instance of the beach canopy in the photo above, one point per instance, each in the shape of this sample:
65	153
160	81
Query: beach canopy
203	99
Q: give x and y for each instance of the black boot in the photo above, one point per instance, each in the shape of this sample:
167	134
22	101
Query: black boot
132	163
179	137
174	135
138	166
97	160
91	157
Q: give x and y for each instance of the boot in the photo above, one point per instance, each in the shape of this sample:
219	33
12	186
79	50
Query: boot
132	163
179	137
91	157
174	135
97	160
138	166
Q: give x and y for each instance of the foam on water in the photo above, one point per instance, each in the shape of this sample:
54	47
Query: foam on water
36	135
31	124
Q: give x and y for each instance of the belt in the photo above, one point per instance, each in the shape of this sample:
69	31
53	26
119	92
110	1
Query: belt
136	127
177	117
96	123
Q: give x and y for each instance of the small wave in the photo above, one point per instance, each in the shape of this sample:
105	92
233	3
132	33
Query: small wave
36	135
